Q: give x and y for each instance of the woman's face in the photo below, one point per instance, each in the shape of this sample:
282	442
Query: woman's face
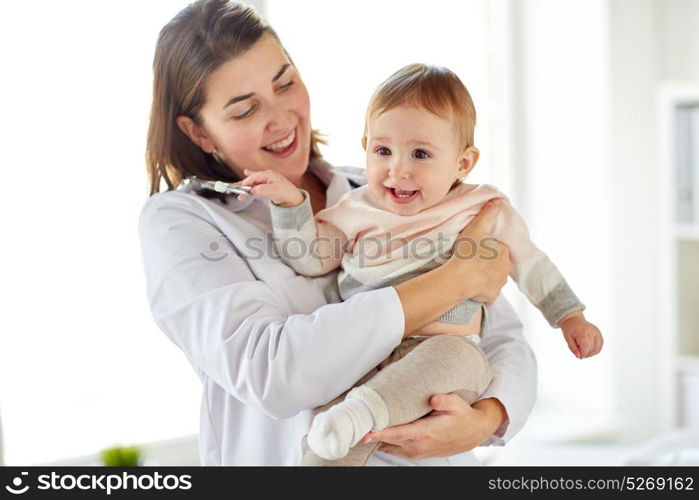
257	113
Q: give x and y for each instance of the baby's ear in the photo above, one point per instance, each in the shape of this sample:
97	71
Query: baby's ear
364	143
468	160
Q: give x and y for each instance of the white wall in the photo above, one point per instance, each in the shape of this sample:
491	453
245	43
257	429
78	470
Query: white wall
565	196
82	365
652	42
344	50
588	148
677	23
633	53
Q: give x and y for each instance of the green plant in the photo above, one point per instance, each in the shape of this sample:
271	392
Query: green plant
122	456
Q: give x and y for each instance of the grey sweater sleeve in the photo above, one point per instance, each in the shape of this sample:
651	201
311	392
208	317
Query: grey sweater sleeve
310	248
535	274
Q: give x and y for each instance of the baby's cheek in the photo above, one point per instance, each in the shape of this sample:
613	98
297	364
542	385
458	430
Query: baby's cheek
375	177
432	192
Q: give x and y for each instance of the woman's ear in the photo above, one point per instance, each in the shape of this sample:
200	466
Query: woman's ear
364	143
195	133
468	160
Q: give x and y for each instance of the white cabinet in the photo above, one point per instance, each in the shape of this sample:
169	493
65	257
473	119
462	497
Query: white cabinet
688	391
678	245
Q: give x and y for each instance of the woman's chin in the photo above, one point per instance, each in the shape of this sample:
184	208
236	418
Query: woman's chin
292	167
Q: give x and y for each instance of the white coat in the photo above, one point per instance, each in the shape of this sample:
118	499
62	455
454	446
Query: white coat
264	342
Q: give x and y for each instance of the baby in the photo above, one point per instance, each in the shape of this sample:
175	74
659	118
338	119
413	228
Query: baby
418	139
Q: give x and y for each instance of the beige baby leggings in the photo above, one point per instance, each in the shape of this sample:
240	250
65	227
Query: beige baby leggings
398	390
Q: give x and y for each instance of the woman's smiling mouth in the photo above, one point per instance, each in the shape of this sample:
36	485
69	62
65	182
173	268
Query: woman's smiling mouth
283	147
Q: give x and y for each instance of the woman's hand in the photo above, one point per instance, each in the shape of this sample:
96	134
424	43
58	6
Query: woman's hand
481	261
272	185
477	269
453	427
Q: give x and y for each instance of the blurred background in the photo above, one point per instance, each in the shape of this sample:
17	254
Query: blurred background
588	117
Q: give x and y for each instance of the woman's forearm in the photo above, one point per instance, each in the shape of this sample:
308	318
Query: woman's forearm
428	296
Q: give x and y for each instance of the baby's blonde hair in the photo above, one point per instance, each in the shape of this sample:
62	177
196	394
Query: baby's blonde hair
434	88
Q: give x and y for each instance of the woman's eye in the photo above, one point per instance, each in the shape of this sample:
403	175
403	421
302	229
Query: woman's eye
246	114
421	154
287	85
383	151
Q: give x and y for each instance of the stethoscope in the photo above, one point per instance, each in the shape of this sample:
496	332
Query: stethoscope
223	187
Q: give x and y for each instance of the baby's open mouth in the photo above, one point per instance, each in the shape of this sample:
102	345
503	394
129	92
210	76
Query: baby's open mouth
402	195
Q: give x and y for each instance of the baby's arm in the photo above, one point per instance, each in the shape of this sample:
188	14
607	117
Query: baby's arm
545	287
311	247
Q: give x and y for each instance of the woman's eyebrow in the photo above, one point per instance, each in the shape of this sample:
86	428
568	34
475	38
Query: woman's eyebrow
239	98
280	72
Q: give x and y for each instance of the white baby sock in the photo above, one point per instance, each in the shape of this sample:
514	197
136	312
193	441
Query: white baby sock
337	429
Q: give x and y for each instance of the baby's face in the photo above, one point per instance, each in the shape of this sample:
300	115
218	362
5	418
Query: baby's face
413	158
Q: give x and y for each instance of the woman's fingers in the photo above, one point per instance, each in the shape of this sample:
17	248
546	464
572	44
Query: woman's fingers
447	403
395	434
391	449
481	224
494	264
440	403
453	427
502	255
406	449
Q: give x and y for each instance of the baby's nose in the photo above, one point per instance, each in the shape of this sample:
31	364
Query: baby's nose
400	170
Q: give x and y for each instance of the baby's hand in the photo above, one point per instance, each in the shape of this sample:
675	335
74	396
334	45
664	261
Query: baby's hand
272	185
584	339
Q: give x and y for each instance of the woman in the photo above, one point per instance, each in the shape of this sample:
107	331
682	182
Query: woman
262	339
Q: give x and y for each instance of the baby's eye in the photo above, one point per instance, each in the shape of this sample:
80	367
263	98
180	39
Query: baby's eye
421	154
382	151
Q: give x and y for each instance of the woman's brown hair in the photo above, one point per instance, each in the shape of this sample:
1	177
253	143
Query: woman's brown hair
198	40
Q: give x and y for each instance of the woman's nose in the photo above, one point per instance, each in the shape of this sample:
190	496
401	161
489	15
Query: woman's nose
280	120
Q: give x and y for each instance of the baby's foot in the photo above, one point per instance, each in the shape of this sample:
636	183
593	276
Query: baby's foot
336	430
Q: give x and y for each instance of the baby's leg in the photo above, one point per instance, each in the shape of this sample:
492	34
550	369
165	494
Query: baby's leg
340	428
339	425
400	393
356	457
